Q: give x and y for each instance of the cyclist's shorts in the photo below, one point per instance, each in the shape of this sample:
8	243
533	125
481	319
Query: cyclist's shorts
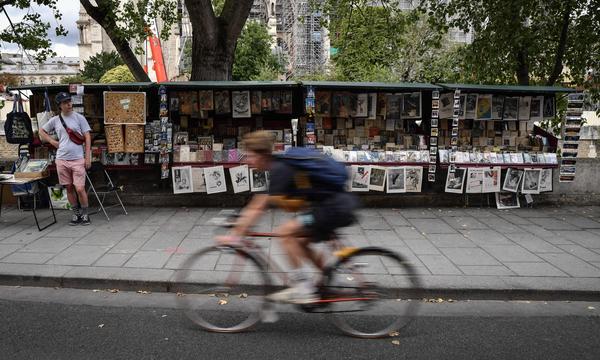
332	213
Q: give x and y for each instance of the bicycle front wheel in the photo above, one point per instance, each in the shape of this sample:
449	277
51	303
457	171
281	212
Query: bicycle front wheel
374	292
222	288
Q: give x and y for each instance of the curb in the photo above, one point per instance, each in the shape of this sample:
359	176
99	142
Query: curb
456	293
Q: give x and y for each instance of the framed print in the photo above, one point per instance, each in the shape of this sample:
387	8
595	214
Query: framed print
491	179
531	181
411	108
537	108
258	180
484	107
507	200
323	103
434	131
446	106
497	107
215	179
360	177
455	122
362	105
372	113
431	177
435	94
240	180
395	180
471	106
413	178
549	107
524	107
435	104
222	105
377	178
546	180
455	181
435	114
394	106
512	180
198	183
182	179
255	100
433	141
241	104
474	181
511	108
206	100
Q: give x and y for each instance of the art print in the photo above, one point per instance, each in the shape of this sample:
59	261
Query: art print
394	106
524	108
240	180
546	180
531	181
198	182
241	104
323	102
413	178
362	105
549	107
507	200
537	108
395	180
255	102
491	179
471	106
259	180
182	179
455	181
215	179
512	180
484	107
497	107
206	100
360	177
446	106
222	105
372	106
511	108
474	181
411	106
377	178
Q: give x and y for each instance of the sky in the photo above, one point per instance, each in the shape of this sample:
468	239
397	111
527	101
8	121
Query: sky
64	45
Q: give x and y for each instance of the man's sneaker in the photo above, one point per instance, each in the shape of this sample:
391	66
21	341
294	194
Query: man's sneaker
75	220
85	219
298	294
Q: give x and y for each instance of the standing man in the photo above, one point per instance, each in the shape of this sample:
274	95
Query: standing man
71	160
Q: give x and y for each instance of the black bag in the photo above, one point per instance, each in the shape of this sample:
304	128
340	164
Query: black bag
18	128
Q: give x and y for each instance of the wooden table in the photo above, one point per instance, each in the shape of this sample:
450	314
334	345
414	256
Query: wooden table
23	181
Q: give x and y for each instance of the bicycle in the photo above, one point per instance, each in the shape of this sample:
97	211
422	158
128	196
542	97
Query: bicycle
357	280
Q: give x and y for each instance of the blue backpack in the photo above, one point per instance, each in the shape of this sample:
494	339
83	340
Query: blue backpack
325	174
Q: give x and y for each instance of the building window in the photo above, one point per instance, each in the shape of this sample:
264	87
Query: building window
22	81
53	81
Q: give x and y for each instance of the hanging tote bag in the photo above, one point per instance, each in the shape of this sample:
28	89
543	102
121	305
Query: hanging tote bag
18	124
44	116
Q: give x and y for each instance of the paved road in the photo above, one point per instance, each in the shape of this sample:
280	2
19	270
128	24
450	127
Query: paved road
42	323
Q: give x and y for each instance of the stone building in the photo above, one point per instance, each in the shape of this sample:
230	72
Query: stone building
29	72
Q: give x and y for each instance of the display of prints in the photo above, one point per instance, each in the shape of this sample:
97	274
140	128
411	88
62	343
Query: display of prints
512	180
221	99
215	179
484	107
362	105
323	103
549	109
182	179
546	180
411	106
446	106
507	200
511	108
259	180
497	107
394	107
524	107
239	178
122	108
114	138
491	180
377	178
455	181
360	177
537	108
395	180
413	178
198	183
471	107
531	181
206	100
474	181
241	104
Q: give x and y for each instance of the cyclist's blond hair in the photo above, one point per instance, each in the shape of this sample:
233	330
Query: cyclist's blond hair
260	142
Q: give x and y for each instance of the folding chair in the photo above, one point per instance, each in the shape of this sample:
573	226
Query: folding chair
103	189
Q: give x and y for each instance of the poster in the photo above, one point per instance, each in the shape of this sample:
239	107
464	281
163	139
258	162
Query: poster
413	179
239	178
198	183
377	178
182	179
395	180
455	181
259	180
215	179
241	104
360	177
512	180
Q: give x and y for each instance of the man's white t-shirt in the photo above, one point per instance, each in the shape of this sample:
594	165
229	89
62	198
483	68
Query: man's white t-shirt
68	150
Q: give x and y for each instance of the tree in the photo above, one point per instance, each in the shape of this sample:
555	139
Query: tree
119	74
525	41
75	79
253	54
99	64
31	33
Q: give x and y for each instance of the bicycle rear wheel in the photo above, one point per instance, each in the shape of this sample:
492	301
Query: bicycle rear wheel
222	288
374	292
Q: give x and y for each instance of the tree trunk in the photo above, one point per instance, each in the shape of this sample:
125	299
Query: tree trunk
522	67
211	60
562	45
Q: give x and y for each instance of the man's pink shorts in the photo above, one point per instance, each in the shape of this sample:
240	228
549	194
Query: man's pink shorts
71	172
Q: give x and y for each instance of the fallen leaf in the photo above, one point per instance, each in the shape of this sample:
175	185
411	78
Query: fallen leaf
394	333
18	286
164	316
243	295
101	326
591	308
396	342
450	300
180	294
112	290
167	339
222	302
144	292
95	290
439	300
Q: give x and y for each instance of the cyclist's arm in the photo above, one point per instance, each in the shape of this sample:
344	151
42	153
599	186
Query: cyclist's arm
250	214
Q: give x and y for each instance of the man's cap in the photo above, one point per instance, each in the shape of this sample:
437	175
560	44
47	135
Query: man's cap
62	96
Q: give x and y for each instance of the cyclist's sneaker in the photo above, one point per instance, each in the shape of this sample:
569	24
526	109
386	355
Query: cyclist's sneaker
75	220
298	294
85	219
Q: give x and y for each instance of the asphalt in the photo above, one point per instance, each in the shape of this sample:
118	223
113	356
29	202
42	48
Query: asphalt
546	253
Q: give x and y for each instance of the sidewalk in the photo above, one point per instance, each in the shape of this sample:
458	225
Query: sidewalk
546	253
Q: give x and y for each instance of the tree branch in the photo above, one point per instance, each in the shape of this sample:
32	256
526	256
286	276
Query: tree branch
234	15
562	45
202	18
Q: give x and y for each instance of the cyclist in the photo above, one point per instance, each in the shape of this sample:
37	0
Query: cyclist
321	209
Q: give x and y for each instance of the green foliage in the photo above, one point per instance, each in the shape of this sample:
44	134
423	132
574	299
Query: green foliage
99	64
75	79
253	55
32	32
119	74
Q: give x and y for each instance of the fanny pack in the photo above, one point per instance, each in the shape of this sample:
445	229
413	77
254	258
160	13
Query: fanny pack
74	136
